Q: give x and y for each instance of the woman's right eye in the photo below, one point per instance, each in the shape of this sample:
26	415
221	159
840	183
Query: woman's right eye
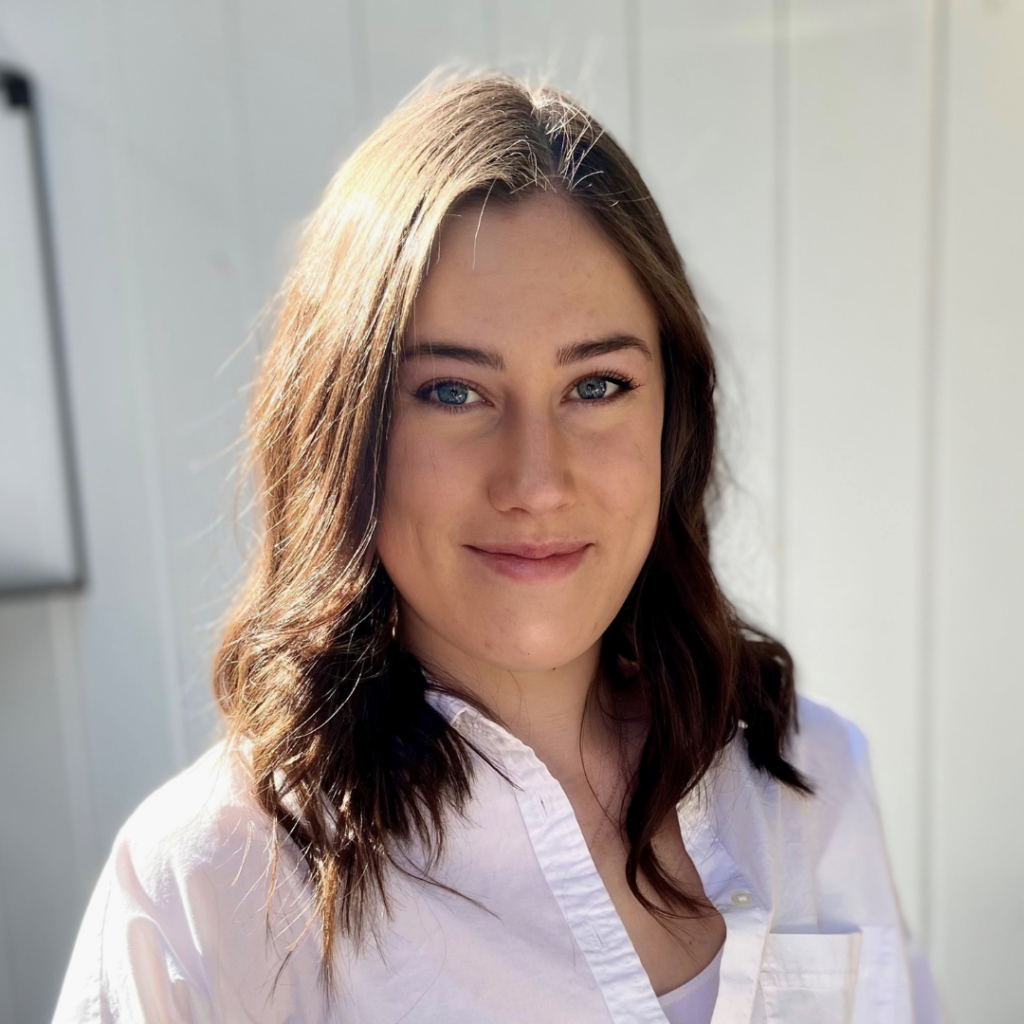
453	394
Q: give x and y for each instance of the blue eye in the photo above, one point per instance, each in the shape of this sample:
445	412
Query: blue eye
593	387
603	387
452	393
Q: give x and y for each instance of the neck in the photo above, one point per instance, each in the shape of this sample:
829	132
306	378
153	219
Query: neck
545	707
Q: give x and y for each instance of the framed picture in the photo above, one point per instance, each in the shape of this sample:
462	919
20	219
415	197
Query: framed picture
40	533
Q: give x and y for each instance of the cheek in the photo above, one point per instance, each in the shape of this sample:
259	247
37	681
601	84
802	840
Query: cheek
426	484
623	472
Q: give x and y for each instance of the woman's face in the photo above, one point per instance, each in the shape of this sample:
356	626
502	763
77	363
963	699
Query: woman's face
524	458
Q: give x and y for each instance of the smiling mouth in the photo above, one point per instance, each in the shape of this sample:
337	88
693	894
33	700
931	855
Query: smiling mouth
532	563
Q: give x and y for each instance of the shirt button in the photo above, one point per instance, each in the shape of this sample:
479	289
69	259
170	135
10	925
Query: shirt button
742	898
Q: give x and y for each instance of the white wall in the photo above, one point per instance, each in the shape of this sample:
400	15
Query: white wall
843	180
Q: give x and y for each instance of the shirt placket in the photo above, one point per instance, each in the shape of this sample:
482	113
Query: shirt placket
745	910
574	880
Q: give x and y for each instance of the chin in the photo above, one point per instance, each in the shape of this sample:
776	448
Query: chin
529	643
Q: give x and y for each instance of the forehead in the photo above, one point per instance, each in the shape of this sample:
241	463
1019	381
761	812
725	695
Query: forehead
535	272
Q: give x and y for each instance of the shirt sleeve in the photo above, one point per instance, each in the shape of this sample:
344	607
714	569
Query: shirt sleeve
134	960
927	1005
842	834
928	1008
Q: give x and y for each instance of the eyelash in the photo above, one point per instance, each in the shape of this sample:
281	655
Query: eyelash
623	380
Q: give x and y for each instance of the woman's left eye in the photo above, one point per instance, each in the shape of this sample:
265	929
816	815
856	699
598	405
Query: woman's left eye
596	388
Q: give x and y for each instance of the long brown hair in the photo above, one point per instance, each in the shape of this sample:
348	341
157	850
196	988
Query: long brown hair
349	759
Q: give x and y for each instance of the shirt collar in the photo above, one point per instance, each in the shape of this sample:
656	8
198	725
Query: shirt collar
698	810
459	713
447	705
490	737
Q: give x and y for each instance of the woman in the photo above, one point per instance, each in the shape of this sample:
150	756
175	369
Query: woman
498	747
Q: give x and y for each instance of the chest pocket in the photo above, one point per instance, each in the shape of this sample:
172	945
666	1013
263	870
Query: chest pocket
846	978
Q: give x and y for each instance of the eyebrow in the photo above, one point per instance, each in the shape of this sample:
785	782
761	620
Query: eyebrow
567	354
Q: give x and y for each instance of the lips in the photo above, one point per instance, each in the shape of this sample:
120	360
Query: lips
544	549
532	562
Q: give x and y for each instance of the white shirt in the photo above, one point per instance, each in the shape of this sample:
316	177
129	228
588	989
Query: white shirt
694	1001
175	930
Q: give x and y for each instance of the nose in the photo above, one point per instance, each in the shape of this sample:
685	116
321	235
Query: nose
532	469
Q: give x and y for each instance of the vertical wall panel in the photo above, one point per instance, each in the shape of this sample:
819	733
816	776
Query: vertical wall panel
978	886
7	1011
295	78
406	40
581	45
705	142
117	628
855	284
38	884
189	270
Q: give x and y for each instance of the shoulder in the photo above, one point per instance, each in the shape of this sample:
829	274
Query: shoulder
840	824
192	822
178	914
830	749
194	859
840	815
822	855
831	753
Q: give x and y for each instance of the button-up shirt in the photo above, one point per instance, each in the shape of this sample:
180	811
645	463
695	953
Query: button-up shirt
522	928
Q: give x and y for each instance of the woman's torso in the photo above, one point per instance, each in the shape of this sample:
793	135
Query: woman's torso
802	884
